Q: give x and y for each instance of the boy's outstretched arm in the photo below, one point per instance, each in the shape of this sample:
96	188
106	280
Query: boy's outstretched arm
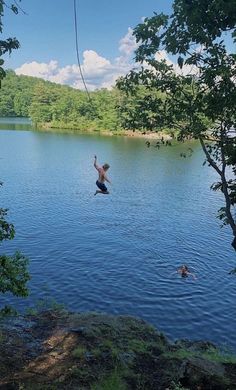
95	163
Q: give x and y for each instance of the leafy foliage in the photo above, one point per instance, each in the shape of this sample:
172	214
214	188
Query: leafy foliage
59	105
142	110
13	269
14	275
6	229
199	95
9	44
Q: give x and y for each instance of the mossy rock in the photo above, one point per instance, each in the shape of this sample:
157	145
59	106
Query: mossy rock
94	351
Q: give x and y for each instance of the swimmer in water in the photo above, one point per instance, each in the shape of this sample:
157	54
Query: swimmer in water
184	272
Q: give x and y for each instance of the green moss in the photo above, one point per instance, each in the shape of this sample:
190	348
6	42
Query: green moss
212	354
179	354
217	356
138	345
79	352
97	353
81	374
108	345
141	346
112	381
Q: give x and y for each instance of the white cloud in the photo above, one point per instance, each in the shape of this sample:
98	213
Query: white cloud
186	69
95	65
36	69
128	43
98	71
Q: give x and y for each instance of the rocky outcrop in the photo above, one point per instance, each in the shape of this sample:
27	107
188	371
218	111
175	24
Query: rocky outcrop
61	350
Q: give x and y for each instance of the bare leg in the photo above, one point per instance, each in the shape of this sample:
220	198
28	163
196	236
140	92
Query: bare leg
101	192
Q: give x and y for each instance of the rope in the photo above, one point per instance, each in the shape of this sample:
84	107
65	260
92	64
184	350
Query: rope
77	51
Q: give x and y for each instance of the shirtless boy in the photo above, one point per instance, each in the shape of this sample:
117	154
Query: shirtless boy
101	177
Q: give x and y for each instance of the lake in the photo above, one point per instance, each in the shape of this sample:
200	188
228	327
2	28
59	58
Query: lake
118	253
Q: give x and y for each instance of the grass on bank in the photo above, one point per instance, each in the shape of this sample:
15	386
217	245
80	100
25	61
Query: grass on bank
112	381
212	354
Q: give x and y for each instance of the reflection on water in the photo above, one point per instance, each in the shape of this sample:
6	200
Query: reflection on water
118	253
15	124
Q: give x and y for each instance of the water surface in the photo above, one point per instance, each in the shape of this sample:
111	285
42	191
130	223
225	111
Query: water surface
117	253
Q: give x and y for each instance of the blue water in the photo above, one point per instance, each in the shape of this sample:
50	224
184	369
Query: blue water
117	253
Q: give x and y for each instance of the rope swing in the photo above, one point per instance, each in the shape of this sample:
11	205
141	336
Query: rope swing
77	50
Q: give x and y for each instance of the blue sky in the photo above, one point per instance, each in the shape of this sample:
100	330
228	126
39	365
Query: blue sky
106	46
47	38
47	31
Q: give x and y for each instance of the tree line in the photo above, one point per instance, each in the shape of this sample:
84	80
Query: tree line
61	106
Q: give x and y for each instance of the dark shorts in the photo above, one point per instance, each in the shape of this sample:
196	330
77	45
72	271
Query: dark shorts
101	186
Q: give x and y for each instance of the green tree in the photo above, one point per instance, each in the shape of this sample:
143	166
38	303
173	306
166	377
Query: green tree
141	109
22	103
58	105
202	102
6	106
13	269
44	97
16	94
9	44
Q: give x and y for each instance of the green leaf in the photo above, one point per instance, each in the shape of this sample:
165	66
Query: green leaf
180	62
14	8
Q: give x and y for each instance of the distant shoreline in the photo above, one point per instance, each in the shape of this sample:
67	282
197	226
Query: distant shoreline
51	127
148	135
145	134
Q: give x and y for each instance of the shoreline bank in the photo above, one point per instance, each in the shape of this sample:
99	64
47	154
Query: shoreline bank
146	135
51	127
94	351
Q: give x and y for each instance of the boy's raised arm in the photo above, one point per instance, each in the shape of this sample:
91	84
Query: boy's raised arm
95	162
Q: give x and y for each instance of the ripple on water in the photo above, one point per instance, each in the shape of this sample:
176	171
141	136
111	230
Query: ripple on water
119	253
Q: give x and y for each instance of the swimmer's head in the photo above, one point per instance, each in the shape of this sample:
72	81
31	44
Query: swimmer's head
106	167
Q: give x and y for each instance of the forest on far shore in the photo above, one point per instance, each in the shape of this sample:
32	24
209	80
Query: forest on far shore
61	106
